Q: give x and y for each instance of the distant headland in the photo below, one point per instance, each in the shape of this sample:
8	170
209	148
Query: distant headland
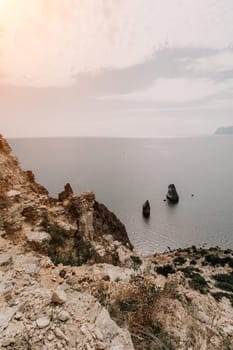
224	130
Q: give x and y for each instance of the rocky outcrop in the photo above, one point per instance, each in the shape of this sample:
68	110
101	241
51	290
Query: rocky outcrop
75	229
146	209
172	194
39	310
106	223
68	192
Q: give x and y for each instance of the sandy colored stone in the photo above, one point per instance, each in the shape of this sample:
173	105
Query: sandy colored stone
59	296
43	322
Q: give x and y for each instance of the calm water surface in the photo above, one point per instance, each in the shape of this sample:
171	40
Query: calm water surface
125	172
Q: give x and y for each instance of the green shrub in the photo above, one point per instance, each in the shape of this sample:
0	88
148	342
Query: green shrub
136	262
84	251
198	283
180	260
193	262
165	270
214	260
224	286
58	258
57	233
219	295
189	271
203	252
224	277
128	305
224	281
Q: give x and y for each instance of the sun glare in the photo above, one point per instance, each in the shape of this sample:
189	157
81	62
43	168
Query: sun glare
3	4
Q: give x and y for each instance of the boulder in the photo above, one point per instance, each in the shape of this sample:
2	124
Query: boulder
63	316
43	322
59	296
38	239
172	194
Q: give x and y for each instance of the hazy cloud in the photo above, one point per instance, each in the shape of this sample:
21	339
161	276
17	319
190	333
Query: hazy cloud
47	42
100	66
221	62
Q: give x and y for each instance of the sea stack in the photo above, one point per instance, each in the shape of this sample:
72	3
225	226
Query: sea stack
146	209
172	194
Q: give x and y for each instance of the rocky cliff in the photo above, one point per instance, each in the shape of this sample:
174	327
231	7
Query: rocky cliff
70	279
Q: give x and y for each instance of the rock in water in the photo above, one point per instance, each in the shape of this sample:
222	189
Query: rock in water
172	194
146	209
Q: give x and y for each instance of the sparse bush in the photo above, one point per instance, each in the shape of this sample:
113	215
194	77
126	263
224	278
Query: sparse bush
219	295
84	251
57	233
224	277
129	305
135	305
203	252
215	260
180	260
228	251
154	337
198	283
224	281
189	271
224	286
193	262
165	270
58	258
136	262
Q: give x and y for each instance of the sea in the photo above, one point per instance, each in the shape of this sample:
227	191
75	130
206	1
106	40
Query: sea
124	173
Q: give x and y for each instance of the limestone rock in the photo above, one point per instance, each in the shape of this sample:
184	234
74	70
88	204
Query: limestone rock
116	338
59	296
60	335
63	316
13	193
38	239
43	322
6	316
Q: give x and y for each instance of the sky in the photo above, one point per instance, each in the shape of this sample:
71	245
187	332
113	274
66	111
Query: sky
124	68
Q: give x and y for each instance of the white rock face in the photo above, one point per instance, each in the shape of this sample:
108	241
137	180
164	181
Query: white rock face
43	322
38	238
13	193
5	317
118	339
